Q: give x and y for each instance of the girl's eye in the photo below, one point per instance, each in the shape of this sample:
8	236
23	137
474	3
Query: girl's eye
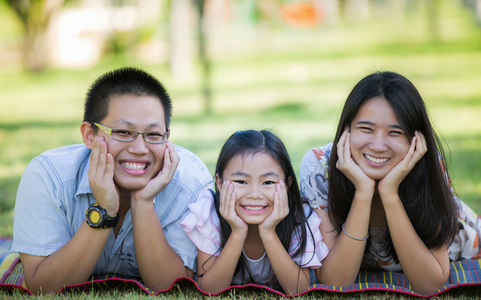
239	181
268	182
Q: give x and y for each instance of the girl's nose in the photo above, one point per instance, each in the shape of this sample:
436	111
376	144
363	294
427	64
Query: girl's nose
255	192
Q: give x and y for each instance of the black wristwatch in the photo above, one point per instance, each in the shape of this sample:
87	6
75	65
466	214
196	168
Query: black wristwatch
97	217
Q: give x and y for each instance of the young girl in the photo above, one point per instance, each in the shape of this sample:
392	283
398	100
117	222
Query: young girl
254	228
383	193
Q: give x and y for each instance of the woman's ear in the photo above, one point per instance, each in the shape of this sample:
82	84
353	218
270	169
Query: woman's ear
218	181
289	181
88	135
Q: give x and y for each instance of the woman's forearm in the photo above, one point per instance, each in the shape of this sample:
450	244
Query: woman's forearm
343	262
425	269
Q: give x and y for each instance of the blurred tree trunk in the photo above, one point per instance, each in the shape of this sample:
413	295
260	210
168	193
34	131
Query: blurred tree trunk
478	11
180	38
203	56
433	19
35	16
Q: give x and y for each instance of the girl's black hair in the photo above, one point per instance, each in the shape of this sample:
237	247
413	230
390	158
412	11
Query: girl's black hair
425	192
250	142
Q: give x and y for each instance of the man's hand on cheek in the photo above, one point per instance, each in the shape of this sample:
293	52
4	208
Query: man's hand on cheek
101	174
162	179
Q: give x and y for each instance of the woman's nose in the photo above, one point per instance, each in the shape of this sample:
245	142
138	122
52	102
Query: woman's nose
378	143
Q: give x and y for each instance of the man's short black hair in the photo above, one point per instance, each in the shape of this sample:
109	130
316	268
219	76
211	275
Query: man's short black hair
124	81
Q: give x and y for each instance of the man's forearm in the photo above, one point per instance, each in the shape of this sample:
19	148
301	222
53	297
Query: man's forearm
71	264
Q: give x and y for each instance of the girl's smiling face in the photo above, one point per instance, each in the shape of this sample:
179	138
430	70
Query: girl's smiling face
254	177
378	143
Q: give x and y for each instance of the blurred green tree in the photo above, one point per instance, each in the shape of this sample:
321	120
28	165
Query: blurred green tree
35	16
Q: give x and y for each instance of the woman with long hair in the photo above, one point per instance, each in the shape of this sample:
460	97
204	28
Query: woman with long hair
383	192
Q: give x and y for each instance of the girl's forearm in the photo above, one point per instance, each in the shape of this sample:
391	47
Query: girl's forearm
292	277
219	272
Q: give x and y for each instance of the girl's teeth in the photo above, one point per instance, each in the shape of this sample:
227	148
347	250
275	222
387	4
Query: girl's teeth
134	166
376	160
254	207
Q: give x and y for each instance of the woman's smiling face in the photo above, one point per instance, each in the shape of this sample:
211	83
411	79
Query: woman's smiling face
378	143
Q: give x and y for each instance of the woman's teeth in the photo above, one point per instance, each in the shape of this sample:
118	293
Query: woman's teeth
376	160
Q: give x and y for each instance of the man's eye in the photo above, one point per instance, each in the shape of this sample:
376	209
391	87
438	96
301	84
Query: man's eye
155	134
122	133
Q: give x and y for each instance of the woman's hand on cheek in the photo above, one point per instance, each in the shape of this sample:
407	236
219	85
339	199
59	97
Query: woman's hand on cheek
227	208
390	183
163	178
348	166
279	211
101	177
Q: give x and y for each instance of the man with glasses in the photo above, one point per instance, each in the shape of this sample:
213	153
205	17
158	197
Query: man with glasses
113	204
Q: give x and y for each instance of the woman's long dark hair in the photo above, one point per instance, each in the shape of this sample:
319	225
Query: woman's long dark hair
250	142
425	192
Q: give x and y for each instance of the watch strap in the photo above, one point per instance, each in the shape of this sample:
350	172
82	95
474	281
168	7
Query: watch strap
109	222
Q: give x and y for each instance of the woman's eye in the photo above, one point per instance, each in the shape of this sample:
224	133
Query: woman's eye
365	129
396	133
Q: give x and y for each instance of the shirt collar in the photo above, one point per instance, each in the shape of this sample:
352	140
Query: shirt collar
83	178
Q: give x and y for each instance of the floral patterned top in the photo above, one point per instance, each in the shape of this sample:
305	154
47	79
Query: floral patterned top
314	185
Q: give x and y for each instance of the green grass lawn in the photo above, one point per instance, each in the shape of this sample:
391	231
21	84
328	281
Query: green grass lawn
291	81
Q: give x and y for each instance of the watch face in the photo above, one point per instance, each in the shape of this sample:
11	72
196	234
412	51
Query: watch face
94	217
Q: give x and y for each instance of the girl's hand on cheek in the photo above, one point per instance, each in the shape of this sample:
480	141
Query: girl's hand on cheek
348	166
279	211
101	177
390	183
227	208
163	178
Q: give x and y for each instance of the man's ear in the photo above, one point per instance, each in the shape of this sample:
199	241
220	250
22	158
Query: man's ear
218	181
88	135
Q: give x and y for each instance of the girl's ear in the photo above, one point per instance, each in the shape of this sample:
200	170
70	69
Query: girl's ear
218	181
289	181
88	135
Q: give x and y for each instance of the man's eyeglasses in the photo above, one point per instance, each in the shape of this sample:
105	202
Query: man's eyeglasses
129	135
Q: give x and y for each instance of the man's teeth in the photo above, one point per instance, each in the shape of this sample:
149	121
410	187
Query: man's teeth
376	160
254	207
134	166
